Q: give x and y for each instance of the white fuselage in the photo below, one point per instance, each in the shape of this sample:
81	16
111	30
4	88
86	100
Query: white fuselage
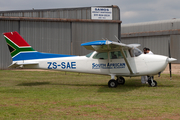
141	65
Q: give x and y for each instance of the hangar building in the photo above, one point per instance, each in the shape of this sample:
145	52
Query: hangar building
59	31
154	35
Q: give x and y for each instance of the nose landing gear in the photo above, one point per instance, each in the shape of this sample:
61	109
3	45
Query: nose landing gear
152	82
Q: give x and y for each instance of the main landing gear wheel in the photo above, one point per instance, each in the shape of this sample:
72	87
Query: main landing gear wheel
112	83
120	80
152	84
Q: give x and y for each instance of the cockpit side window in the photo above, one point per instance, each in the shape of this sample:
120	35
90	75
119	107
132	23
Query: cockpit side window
117	55
103	55
135	52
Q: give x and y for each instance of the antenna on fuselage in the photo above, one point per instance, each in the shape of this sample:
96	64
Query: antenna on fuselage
119	41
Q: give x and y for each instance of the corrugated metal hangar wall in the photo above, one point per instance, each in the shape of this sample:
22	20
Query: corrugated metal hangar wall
155	35
57	30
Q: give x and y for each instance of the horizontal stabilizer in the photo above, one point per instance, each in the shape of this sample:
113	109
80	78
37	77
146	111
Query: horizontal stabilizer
18	64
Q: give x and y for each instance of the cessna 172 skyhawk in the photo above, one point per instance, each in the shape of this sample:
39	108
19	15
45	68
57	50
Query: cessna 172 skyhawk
109	58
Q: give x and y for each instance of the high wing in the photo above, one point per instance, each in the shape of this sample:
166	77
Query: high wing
107	45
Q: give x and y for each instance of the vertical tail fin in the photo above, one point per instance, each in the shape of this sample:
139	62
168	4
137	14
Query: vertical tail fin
21	51
16	44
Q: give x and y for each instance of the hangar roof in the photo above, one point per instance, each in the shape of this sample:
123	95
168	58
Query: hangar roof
67	13
163	25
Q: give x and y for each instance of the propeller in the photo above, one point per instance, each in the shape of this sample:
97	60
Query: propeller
169	57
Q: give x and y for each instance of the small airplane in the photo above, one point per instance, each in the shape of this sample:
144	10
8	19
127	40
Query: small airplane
109	58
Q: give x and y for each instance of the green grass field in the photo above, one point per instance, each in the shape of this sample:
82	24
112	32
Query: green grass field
56	95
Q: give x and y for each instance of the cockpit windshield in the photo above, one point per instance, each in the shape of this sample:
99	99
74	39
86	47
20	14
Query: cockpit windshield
135	52
89	55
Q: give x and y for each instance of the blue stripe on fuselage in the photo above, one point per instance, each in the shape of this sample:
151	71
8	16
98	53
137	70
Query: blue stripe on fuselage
37	55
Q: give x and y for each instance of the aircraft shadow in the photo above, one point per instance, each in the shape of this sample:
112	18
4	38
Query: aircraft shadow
33	84
128	86
78	84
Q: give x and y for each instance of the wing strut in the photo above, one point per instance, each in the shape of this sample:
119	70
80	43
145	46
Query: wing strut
127	63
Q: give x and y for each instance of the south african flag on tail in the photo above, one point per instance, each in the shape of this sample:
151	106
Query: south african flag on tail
17	44
21	51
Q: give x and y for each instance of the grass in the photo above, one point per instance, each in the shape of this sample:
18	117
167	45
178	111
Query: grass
56	95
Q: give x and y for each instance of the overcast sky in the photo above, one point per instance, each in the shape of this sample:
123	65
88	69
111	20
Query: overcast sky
132	11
